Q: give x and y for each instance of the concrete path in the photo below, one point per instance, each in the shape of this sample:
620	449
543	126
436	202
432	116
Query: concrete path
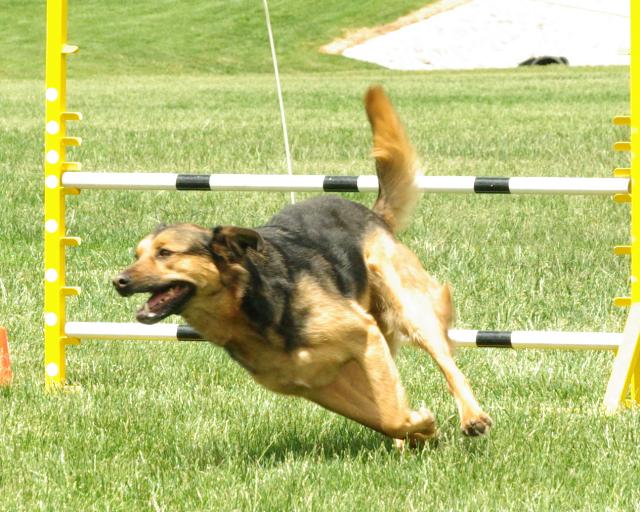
503	33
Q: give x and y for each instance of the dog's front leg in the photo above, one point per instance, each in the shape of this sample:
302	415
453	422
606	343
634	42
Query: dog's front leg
368	390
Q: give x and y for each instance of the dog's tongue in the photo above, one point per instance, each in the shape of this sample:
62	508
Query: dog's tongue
158	299
161	304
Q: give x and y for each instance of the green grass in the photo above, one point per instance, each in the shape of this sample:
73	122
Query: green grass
162	426
199	36
181	427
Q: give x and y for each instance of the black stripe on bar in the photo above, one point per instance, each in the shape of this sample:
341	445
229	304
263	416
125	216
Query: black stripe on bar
340	184
188	333
192	182
490	185
495	339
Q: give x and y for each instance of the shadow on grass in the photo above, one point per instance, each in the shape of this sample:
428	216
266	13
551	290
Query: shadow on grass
332	445
286	445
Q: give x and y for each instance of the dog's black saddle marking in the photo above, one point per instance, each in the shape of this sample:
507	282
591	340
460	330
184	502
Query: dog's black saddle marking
321	238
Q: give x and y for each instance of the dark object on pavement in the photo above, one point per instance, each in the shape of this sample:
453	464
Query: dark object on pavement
544	61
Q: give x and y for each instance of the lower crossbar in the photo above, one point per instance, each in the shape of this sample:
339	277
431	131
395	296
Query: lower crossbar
459	337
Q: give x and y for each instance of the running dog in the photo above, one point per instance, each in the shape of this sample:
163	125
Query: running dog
317	302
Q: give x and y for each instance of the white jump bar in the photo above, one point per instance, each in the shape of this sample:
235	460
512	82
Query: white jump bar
460	337
537	339
121	331
322	183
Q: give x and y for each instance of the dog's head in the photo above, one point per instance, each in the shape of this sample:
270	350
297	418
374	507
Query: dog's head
181	263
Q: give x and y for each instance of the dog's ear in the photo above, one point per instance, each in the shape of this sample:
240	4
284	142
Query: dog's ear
235	242
160	227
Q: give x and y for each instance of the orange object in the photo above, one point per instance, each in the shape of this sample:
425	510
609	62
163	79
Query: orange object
6	374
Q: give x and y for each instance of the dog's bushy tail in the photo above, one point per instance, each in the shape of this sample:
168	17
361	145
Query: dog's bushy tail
396	162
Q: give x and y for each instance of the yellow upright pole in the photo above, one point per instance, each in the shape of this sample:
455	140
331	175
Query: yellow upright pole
635	384
55	164
625	376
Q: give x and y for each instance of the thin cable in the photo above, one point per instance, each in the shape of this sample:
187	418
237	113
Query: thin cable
280	101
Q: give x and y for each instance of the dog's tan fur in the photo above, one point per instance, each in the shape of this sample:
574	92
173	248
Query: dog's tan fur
345	361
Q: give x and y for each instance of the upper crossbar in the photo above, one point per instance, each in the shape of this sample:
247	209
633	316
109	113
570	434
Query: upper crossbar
326	183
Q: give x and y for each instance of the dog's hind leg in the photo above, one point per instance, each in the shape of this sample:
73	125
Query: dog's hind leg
368	390
413	304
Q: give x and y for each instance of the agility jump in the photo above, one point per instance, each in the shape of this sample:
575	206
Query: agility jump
63	177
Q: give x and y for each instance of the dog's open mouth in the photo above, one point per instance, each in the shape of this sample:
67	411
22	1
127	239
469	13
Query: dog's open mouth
165	301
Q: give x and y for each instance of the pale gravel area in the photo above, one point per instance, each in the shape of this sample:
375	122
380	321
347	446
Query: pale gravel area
503	33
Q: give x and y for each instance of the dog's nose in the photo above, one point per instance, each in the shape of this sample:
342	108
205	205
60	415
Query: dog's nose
122	282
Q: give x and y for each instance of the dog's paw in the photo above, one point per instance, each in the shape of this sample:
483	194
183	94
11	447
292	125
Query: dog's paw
477	425
424	423
423	429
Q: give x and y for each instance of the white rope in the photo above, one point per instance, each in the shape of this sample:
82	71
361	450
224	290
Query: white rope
280	101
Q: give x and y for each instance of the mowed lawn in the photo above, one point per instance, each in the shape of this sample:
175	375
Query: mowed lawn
167	426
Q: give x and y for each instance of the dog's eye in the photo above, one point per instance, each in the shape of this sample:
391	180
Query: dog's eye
164	253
